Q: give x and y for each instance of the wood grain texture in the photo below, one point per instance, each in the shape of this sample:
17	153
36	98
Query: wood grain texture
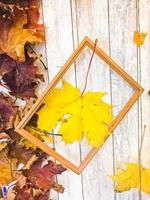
124	51
113	23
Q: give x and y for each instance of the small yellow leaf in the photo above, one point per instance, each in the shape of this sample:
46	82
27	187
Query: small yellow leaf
131	177
42	136
77	115
139	38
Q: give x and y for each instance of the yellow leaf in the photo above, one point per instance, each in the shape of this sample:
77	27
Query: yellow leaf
131	177
7	169
139	38
76	114
42	136
3	145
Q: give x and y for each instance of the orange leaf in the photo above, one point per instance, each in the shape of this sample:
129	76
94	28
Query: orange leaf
13	35
139	38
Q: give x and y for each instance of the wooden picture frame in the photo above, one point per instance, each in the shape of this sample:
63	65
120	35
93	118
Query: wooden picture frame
138	91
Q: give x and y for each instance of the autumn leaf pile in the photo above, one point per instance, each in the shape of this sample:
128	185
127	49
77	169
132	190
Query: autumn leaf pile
30	172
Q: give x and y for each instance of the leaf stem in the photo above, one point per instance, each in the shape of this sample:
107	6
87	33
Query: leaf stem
43	132
89	67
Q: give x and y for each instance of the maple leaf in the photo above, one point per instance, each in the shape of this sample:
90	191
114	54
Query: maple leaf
14	36
41	176
7	112
78	114
139	38
7	168
21	78
134	176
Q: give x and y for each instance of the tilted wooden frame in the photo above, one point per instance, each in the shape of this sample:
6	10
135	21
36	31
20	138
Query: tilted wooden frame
138	90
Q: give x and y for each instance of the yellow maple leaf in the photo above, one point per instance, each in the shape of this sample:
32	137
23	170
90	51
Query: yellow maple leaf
134	176
15	36
77	114
139	38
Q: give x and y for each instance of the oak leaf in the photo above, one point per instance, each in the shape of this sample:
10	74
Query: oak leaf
77	114
139	38
134	176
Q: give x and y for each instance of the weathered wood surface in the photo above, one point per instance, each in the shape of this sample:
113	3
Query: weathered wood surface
112	22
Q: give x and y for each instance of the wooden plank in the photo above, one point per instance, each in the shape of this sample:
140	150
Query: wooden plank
91	18
144	69
124	52
57	15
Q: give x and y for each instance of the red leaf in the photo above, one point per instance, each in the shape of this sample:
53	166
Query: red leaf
42	177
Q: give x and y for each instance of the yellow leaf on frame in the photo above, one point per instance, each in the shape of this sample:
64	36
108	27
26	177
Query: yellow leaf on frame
131	177
139	38
77	115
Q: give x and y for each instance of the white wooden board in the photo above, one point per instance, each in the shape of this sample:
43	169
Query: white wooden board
112	22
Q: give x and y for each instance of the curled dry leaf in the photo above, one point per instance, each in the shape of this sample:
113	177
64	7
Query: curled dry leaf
7	112
21	78
139	38
133	176
74	111
13	35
